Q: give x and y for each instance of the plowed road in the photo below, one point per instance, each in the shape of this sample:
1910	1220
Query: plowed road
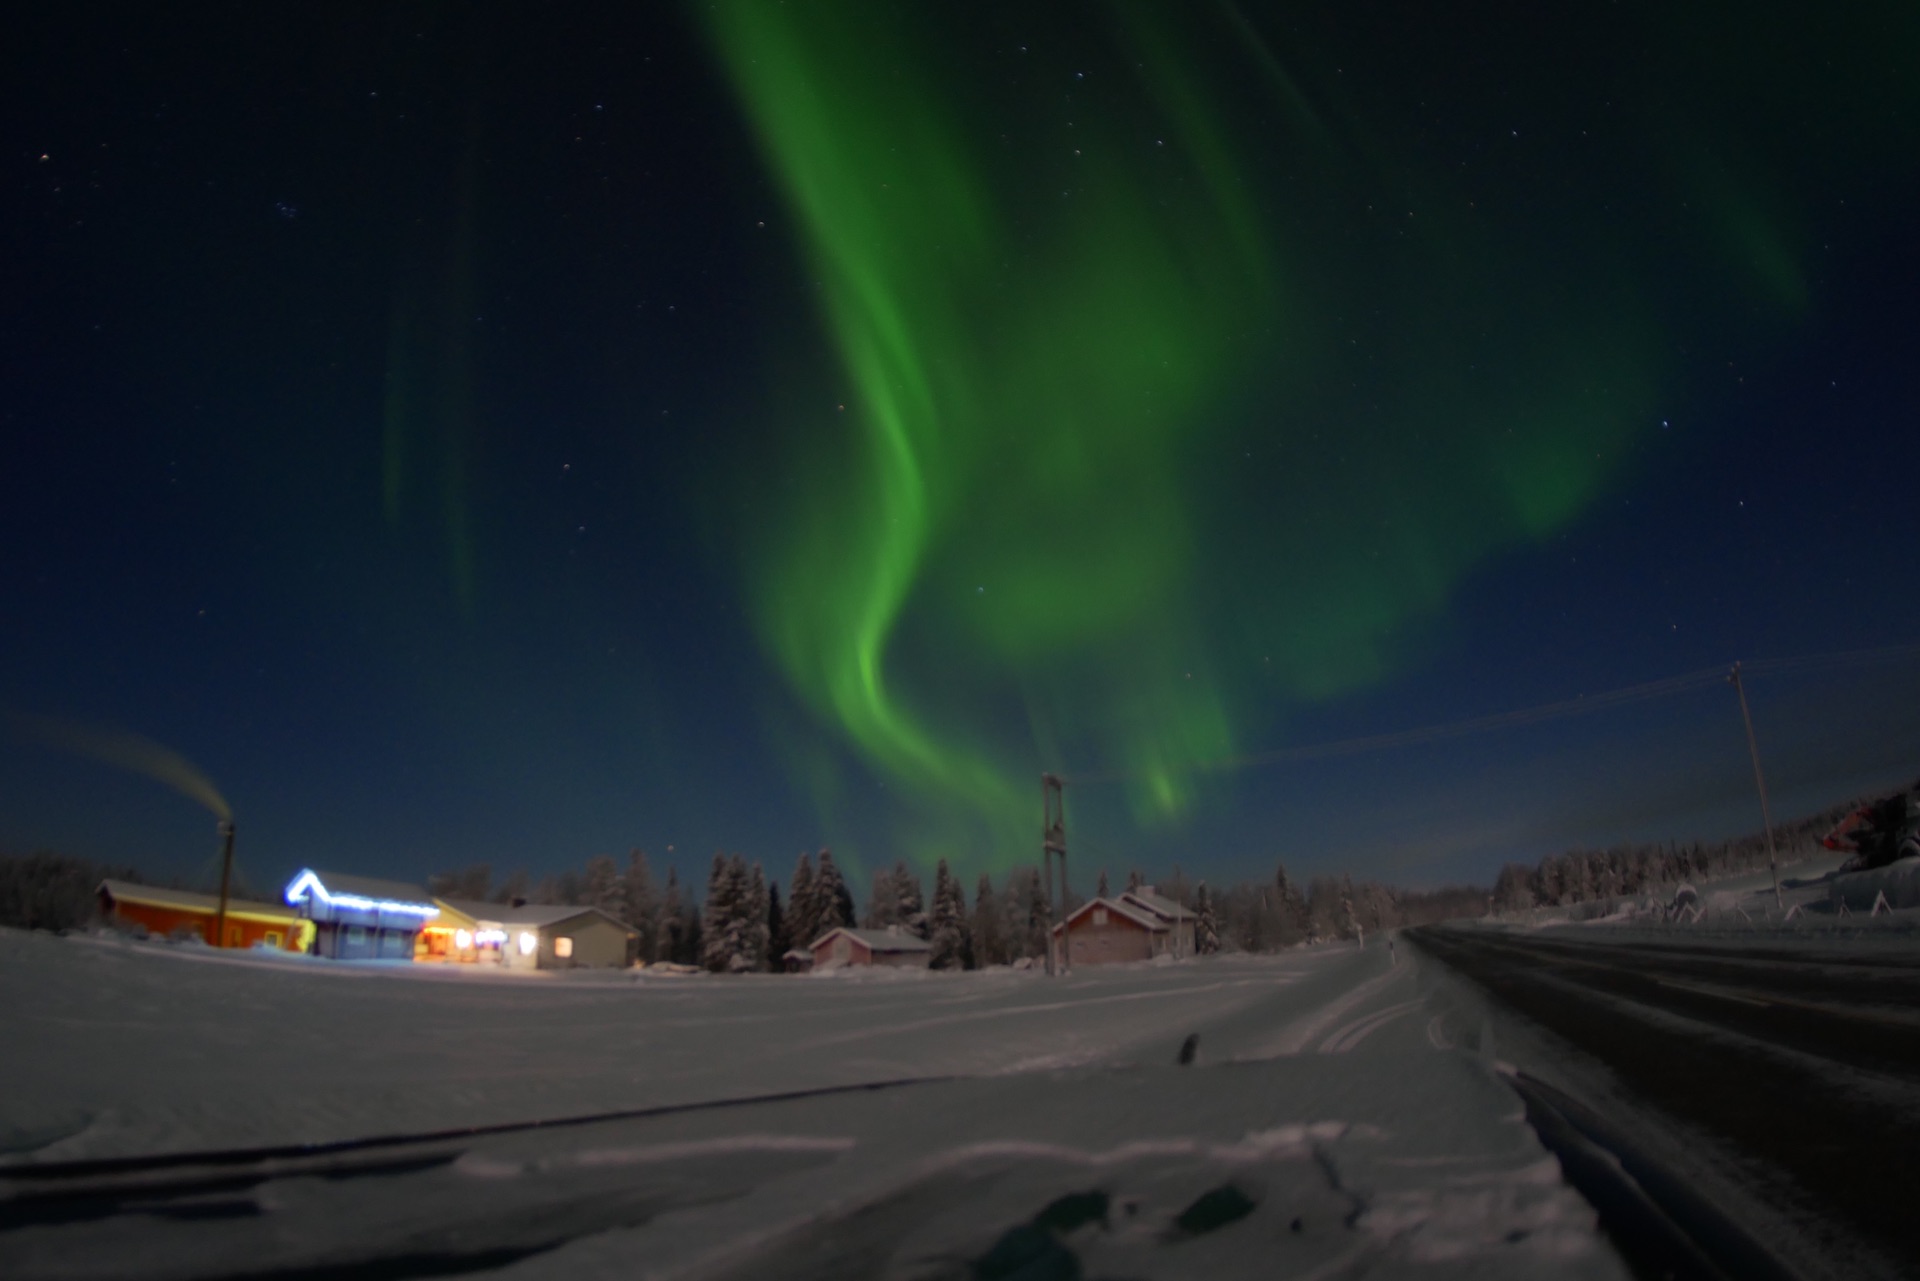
1803	1066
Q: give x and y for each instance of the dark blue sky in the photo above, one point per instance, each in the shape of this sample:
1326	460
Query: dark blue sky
380	386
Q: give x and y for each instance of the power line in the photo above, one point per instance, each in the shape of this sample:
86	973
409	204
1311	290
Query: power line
1579	706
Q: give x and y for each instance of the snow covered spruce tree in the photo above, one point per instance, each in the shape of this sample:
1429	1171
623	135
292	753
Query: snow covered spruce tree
604	887
881	903
1101	891
642	905
1206	931
801	912
909	911
947	927
1039	916
753	921
779	933
989	925
720	918
670	942
832	900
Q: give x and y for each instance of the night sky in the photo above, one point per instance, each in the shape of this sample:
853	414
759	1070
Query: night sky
510	433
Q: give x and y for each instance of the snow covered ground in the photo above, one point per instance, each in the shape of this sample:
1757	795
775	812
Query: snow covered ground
1741	908
1326	1126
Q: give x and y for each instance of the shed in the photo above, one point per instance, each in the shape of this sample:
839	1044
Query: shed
1177	919
1109	931
361	918
543	936
842	946
177	913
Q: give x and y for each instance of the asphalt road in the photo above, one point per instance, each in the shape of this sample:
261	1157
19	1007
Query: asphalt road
1803	1068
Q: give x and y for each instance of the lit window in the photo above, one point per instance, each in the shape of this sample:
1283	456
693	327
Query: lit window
527	943
563	947
462	940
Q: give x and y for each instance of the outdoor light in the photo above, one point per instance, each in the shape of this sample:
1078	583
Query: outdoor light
462	940
527	944
490	938
307	884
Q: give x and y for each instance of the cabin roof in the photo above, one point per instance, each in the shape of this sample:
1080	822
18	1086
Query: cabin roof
189	900
1127	911
877	940
336	884
1153	901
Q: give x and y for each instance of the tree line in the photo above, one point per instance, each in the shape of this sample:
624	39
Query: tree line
745	923
1616	872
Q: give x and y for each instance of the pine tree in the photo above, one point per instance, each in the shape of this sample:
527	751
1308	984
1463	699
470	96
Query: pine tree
602	887
1206	932
671	942
779	938
719	918
883	902
989	925
909	911
1101	890
753	921
947	929
802	911
642	906
833	901
1134	880
513	890
1027	914
1039	916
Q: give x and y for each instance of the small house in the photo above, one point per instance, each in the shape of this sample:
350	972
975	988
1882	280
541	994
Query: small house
361	918
185	914
1136	926
540	936
842	946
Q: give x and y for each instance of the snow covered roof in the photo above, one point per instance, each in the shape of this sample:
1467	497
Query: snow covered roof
1144	919
187	900
529	915
335	884
1165	908
878	940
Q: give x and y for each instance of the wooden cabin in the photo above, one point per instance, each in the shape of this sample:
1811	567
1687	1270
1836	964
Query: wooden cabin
1136	926
841	947
169	913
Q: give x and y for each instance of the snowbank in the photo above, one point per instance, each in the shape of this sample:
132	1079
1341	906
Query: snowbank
1326	1126
1858	891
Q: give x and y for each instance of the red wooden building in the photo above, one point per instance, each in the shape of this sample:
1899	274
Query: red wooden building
1137	926
841	947
183	913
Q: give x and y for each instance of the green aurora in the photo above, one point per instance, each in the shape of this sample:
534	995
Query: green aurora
1161	391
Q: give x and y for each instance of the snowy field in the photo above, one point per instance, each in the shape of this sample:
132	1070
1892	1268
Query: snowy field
1326	1126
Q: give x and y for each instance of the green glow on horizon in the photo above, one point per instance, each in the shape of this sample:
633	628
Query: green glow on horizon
1061	314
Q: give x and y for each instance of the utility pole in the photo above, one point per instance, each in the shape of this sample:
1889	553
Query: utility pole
1759	780
219	938
1053	840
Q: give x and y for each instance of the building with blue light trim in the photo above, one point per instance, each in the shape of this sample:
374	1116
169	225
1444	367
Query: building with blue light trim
361	918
